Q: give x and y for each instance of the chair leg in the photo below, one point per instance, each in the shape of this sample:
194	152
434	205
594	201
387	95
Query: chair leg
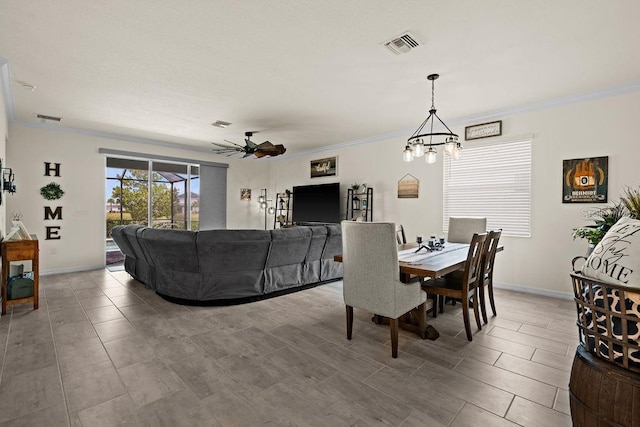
349	321
476	311
490	288
483	305
441	303
393	326
465	316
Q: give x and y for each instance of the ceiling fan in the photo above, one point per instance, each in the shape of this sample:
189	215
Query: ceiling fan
250	148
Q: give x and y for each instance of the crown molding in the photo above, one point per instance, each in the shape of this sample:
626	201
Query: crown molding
5	86
484	117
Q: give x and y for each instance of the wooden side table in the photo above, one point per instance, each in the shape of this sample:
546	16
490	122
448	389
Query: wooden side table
19	250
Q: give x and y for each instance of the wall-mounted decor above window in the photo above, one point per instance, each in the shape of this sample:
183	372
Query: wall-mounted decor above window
324	167
483	130
585	180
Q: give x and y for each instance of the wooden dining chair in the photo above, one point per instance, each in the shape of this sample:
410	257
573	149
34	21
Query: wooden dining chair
488	261
371	278
400	236
461	229
462	285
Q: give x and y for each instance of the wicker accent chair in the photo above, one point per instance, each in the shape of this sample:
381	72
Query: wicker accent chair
372	277
605	376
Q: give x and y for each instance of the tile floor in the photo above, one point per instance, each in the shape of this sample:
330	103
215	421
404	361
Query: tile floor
103	350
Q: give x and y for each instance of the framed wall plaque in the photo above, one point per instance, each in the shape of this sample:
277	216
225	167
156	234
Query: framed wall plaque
585	180
324	167
483	130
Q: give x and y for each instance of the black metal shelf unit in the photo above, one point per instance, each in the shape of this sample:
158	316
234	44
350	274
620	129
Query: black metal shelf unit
283	207
359	204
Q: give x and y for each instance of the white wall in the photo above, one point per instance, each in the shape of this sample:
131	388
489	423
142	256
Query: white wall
4	137
83	180
600	127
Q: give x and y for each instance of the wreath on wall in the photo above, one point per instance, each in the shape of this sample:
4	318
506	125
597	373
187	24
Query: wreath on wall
52	191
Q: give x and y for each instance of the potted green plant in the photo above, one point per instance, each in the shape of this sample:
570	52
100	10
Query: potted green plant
603	220
631	201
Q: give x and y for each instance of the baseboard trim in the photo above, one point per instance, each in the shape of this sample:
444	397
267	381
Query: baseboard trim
536	291
71	270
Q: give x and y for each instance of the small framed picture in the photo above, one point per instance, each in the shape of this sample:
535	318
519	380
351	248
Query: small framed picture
245	194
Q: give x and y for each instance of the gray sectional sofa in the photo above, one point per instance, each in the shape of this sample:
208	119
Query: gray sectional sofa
215	267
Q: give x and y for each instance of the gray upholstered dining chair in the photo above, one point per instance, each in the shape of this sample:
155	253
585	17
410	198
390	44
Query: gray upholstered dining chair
371	277
461	229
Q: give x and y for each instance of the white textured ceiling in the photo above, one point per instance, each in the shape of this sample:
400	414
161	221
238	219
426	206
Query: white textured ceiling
305	73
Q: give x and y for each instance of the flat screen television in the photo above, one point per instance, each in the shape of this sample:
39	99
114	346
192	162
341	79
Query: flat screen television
316	204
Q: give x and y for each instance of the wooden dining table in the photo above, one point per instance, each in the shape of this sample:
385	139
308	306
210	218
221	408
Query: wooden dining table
424	263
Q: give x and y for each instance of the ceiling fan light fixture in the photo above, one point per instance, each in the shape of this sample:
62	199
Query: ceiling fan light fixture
249	149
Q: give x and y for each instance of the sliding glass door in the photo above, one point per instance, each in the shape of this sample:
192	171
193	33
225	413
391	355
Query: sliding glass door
173	201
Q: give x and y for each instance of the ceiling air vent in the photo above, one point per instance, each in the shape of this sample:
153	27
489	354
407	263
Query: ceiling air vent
402	44
50	118
220	124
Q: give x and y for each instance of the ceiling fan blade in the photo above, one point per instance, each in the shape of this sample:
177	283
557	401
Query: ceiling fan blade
224	147
265	146
231	142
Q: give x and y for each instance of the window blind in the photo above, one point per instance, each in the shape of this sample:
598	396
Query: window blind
492	181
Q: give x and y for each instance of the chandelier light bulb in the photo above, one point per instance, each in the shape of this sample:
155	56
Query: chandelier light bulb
418	149
449	146
263	205
430	156
407	154
261	200
271	210
457	151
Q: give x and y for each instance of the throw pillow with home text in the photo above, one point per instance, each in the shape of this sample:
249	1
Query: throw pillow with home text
616	259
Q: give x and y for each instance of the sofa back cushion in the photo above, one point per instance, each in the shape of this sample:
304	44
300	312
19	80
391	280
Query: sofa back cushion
117	233
233	250
285	263
289	246
170	250
330	268
232	262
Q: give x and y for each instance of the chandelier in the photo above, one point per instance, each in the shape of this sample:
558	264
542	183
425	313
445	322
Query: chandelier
421	142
